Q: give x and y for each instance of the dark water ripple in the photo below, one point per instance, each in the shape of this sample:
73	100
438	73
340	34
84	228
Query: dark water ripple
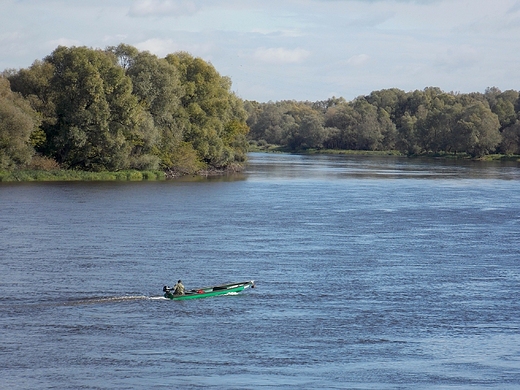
371	273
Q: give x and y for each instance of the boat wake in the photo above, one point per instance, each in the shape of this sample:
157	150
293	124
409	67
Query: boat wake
118	299
223	289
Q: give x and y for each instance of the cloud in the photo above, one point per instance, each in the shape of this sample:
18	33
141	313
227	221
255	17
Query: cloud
13	43
163	47
277	32
144	8
425	2
297	49
457	57
281	55
11	38
159	47
115	38
358	60
53	44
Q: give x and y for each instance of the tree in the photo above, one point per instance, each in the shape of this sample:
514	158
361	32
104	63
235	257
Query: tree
491	94
390	100
406	135
34	84
273	123
324	105
308	130
343	119
158	89
18	121
511	139
504	108
125	54
436	119
479	129
97	115
211	109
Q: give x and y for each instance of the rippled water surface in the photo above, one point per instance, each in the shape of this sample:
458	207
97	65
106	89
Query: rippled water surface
371	273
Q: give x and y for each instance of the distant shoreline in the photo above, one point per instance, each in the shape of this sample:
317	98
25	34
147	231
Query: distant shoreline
454	156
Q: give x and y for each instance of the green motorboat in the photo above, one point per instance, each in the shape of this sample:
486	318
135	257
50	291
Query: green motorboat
205	292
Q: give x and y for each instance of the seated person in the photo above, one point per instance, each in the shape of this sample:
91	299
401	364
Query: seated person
178	289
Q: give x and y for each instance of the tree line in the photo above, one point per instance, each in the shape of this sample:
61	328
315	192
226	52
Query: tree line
119	108
417	122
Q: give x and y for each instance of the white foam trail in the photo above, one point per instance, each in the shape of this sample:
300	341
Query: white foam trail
89	301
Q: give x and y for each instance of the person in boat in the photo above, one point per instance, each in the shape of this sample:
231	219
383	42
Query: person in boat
178	289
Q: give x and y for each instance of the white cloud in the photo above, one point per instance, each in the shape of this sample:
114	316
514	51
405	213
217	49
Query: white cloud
358	60
280	55
160	47
163	47
115	38
350	47
13	43
11	40
280	33
53	44
142	8
12	36
457	57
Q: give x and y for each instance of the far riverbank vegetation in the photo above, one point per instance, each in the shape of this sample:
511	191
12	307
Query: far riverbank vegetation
121	114
428	122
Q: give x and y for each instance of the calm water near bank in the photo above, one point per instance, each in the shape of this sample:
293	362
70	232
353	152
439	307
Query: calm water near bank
371	272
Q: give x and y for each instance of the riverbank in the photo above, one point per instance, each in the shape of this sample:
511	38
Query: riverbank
37	175
73	175
268	148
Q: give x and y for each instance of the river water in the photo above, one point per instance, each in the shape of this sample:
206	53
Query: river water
371	273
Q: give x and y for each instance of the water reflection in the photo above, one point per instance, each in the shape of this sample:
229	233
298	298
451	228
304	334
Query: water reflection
291	166
229	177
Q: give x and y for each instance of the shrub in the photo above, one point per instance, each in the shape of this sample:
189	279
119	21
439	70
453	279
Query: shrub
43	163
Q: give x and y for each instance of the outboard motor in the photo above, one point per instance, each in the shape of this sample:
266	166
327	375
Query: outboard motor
166	289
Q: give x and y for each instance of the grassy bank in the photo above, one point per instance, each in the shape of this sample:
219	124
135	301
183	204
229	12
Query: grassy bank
71	175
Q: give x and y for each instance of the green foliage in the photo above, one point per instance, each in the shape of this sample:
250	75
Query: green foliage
184	160
34	84
360	125
18	121
480	129
210	114
157	86
419	122
43	163
119	108
76	175
307	130
271	122
511	139
122	110
95	110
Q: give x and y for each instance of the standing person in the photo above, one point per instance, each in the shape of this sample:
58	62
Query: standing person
178	289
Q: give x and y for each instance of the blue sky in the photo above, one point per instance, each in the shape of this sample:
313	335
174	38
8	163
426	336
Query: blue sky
285	49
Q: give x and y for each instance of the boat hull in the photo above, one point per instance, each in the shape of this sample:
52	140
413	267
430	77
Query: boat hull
206	292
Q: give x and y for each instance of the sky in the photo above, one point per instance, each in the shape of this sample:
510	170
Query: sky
301	50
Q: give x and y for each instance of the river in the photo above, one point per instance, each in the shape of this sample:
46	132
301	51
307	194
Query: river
371	273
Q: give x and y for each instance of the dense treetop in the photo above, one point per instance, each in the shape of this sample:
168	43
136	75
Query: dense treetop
119	108
17	122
